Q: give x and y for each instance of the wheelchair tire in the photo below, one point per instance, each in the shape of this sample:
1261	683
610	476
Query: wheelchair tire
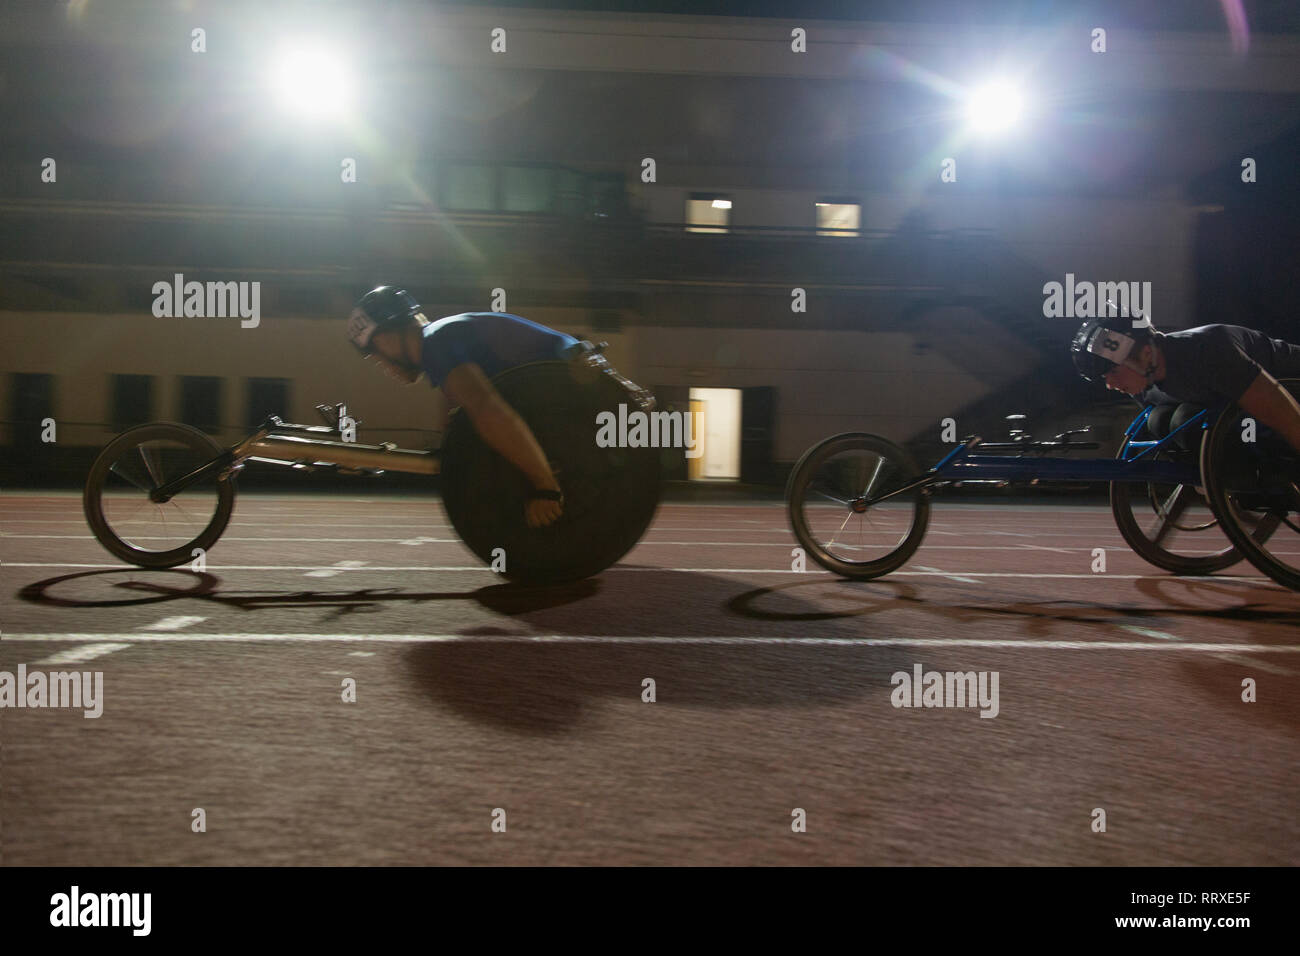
610	494
1136	503
819	496
1254	488
125	472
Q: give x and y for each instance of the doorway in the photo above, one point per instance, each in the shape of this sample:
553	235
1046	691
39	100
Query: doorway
715	416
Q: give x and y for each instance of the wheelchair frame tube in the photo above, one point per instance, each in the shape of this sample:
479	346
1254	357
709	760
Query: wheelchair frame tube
1002	468
311	451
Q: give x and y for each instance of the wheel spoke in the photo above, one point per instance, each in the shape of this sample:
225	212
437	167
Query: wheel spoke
838	501
1170	510
874	475
122	473
831	542
151	464
1267	525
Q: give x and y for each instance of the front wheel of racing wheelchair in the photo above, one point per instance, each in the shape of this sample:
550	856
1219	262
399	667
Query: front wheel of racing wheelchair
1252	478
132	520
834	501
610	493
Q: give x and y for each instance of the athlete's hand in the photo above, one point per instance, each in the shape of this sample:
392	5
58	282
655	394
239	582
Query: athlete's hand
541	512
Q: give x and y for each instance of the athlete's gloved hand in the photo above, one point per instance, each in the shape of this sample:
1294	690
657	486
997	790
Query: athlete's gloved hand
544	507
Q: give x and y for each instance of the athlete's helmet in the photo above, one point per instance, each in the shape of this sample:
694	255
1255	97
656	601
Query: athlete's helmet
386	307
1102	343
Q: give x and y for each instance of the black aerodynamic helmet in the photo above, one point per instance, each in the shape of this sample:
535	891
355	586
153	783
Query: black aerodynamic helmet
1102	343
386	307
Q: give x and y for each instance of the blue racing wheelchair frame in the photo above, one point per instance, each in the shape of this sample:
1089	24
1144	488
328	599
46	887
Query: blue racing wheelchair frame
1190	501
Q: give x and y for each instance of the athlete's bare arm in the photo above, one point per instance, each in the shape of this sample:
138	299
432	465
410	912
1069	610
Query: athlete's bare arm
501	427
1272	405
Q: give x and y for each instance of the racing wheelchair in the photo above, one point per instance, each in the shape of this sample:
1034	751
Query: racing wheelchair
157	492
1212	489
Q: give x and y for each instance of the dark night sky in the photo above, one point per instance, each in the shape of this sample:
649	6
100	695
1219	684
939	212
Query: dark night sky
1263	16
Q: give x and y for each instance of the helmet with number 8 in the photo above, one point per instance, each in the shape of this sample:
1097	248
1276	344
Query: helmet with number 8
1105	342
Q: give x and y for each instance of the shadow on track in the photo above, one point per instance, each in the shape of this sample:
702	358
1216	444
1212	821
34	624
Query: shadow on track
1193	600
658	624
129	587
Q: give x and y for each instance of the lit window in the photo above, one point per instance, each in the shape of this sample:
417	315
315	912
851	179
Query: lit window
838	218
707	213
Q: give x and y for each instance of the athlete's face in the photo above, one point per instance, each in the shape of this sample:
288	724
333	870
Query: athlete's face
1128	378
1121	378
389	353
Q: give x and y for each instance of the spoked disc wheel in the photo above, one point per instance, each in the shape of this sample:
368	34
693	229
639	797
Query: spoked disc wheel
1253	480
1171	526
829	495
610	493
123	512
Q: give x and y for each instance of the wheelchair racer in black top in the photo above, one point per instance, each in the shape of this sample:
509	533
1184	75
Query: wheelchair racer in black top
1202	366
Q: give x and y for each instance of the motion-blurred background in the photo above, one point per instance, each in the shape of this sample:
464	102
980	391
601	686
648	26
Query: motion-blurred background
220	140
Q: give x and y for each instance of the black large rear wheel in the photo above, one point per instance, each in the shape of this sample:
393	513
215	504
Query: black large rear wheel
1253	480
610	494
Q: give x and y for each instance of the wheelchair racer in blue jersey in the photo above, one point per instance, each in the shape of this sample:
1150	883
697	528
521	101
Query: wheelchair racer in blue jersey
461	354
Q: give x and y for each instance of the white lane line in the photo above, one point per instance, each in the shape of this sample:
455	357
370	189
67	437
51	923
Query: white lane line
338	568
647	540
1039	547
87	652
180	622
1229	658
1147	632
946	574
991	643
1109	576
1256	664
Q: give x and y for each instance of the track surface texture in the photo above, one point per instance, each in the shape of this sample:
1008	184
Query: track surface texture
223	691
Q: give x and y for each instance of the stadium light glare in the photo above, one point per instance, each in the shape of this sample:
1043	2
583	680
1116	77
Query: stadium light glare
312	81
994	107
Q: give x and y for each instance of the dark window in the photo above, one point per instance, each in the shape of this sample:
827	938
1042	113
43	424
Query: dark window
469	187
571	193
32	402
201	402
266	396
527	188
609	198
132	400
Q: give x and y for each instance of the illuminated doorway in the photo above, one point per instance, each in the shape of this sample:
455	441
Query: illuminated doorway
715	417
